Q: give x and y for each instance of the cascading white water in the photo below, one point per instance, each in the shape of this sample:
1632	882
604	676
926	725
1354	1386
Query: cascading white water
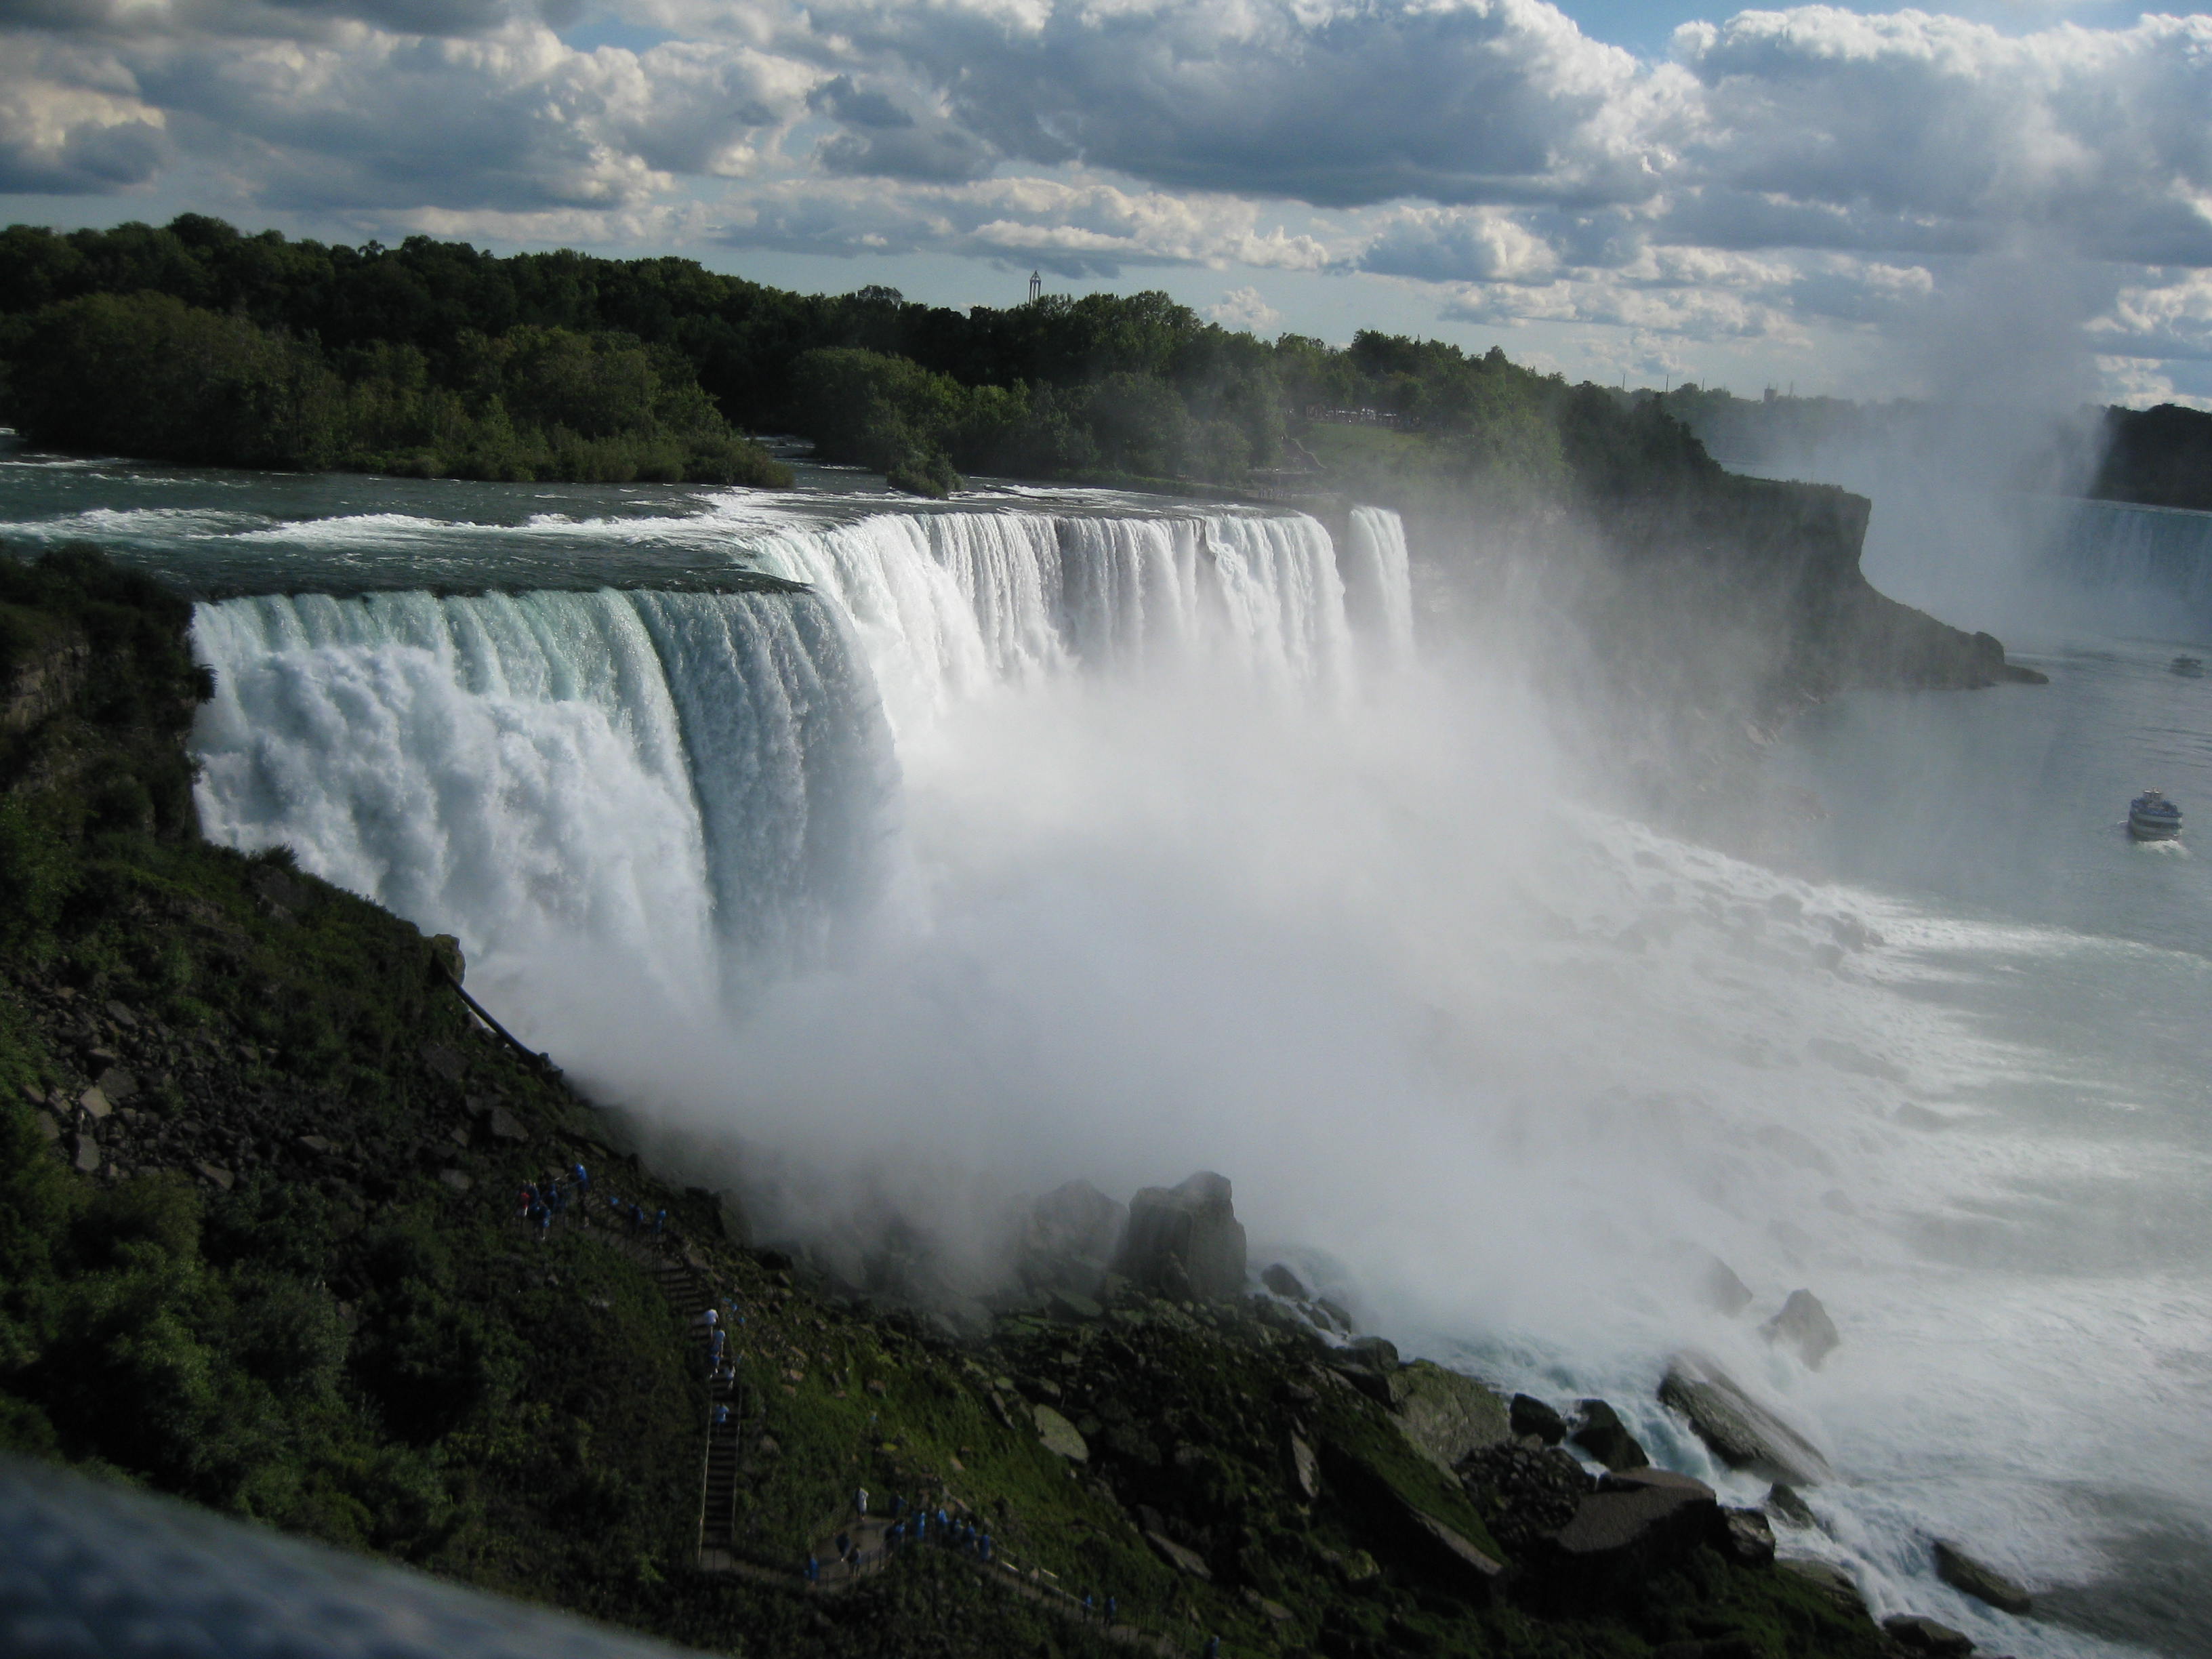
1378	580
692	786
948	603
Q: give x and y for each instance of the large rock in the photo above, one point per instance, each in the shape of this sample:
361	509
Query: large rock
1531	1417
1185	1241
1803	1324
1636	1524
1060	1435
1721	1289
1073	1220
1445	1414
1742	1433
1836	1586
1599	1431
1746	1538
1182	1561
1916	1634
1984	1584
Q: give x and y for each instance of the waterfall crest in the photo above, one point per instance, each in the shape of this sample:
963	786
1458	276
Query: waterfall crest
692	783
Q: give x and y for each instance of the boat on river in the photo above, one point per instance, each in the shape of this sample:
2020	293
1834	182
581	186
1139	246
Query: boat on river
2190	668
2152	817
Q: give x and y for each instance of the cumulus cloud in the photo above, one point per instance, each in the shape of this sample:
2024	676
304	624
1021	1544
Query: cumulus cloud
1243	307
72	122
1333	102
1776	173
1074	228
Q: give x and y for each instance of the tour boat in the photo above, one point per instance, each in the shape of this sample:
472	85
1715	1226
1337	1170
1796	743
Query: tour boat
2152	817
2190	668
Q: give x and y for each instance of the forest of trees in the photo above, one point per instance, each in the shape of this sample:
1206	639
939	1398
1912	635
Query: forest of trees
195	343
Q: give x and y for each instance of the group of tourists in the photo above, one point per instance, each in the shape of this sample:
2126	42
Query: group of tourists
542	1202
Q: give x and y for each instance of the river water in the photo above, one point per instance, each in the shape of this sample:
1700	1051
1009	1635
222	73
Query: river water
1056	835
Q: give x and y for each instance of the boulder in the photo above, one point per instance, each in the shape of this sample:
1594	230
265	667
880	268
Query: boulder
456	1180
216	1173
1638	1522
1746	1538
1984	1584
1599	1431
1719	1288
1836	1586
1283	1282
1741	1432
1182	1561
1784	1503
95	1104
1803	1324
1059	1435
1452	1558
1532	1417
505	1125
1185	1240
49	1129
88	1154
1076	1220
117	1085
1445	1414
1917	1634
1305	1469
1074	1306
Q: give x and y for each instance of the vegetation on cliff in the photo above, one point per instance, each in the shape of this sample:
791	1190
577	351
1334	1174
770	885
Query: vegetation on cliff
146	375
432	356
260	1246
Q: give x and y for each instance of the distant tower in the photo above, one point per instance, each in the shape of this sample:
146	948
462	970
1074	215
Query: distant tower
1036	285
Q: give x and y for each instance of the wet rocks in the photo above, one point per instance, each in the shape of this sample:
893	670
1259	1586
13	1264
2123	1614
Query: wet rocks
1803	1324
1185	1241
1599	1431
1284	1283
1532	1419
1836	1586
1984	1584
1740	1431
1746	1538
1633	1525
1916	1634
1784	1503
1719	1288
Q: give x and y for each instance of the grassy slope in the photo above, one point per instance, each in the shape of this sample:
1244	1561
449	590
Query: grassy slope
333	1336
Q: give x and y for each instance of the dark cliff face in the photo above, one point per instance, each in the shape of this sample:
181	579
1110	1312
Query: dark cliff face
1677	631
97	690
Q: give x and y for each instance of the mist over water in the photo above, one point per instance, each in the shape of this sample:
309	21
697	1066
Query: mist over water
1054	840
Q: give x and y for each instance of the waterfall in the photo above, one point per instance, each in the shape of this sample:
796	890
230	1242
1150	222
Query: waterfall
1377	579
2132	567
689	787
946	602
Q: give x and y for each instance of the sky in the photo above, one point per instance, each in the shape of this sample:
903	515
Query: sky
2004	197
